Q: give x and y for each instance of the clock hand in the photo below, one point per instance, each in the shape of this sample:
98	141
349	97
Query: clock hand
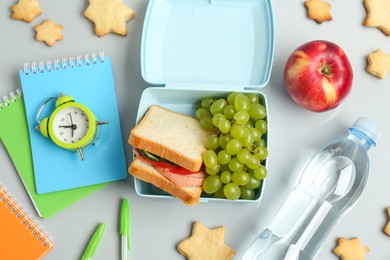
66	126
73	125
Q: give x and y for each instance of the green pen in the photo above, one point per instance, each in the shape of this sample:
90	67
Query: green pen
125	228
94	242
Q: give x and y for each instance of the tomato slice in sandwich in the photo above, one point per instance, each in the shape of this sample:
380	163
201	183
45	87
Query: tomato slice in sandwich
164	164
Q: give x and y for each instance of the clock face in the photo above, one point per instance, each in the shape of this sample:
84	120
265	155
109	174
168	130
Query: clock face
70	125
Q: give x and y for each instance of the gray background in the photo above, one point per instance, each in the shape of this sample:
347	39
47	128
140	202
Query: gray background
157	226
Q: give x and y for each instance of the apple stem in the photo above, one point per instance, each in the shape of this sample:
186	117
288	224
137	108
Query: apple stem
326	70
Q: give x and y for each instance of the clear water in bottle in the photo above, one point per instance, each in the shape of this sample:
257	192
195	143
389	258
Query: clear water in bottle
328	187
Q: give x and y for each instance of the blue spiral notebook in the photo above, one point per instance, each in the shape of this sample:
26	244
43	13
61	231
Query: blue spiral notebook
89	80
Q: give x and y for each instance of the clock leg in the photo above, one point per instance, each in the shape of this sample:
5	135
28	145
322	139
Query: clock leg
81	153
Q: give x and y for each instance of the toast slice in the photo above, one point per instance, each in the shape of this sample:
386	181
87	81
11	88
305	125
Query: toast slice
173	136
147	173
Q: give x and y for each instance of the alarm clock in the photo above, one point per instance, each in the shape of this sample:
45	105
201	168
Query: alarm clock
71	126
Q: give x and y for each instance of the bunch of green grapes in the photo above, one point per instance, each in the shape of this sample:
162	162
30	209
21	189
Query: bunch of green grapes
236	151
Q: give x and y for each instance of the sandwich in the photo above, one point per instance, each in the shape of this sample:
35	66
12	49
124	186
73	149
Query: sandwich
168	148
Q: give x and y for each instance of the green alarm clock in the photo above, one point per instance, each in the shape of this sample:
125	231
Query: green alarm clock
71	125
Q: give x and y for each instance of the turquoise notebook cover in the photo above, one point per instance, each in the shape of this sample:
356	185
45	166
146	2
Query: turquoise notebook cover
89	80
14	135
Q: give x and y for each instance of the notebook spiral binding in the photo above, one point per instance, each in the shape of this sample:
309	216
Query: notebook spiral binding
65	63
11	98
25	218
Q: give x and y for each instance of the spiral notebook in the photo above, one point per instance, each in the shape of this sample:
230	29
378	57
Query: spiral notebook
89	80
21	237
14	135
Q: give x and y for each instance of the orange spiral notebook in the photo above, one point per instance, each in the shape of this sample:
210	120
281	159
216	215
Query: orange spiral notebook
20	236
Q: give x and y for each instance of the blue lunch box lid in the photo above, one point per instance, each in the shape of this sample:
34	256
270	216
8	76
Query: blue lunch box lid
217	43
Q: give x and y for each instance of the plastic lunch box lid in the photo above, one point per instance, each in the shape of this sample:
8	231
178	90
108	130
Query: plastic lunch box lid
208	42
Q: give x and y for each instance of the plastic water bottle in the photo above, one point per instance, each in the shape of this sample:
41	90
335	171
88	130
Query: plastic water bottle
328	187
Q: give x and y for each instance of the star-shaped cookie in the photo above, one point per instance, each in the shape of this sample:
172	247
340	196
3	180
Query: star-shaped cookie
350	249
387	227
25	10
48	32
378	63
318	10
205	244
378	15
109	16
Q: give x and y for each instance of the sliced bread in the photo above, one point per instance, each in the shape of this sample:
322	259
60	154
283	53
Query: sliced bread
147	173
176	137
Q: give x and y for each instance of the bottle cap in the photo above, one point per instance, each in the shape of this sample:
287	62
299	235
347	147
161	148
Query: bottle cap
369	128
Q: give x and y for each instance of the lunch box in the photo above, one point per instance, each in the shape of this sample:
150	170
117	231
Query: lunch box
193	49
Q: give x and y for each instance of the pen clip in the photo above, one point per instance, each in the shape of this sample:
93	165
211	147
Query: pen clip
125	221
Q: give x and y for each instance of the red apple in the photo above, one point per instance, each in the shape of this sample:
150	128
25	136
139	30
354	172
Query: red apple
318	75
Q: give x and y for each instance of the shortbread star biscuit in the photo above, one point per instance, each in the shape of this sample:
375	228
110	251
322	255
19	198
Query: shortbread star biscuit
48	32
205	244
25	10
378	15
109	16
378	63
350	249
318	10
387	227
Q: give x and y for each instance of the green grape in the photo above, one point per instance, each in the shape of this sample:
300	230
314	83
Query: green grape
243	155
240	178
247	139
237	131
261	153
229	111
202	112
261	142
212	142
241	103
224	167
253	162
210	158
207	102
231	97
224	126
235	165
223	140
255	133
207	124
223	157
214	170
247	194
218	106
253	183
261	125
233	146
253	98
216	118
219	193
212	184
260	172
226	177
232	191
249	124
241	117
257	111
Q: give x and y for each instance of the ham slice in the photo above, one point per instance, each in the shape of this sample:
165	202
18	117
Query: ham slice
181	180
